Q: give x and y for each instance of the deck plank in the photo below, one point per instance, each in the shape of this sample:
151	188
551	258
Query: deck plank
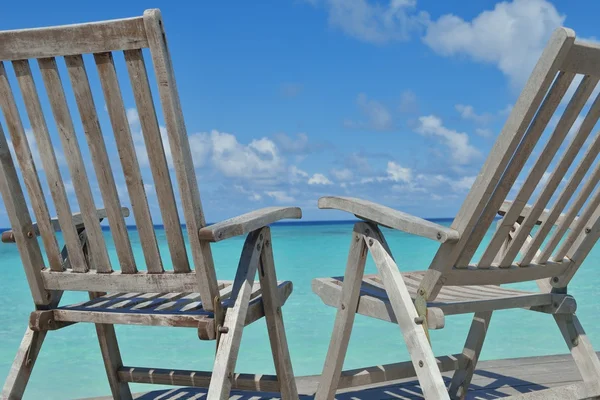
493	379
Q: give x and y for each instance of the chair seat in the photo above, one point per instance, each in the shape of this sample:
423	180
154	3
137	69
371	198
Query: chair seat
169	309
374	300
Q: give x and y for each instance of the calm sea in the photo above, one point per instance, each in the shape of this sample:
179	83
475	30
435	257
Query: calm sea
70	365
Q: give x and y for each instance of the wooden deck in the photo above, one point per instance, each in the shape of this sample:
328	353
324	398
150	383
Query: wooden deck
493	379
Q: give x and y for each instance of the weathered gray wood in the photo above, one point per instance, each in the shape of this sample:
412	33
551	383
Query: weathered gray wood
499	276
228	347
129	160
46	150
582	351
462	376
380	307
104	174
8	236
583	58
555	178
274	320
570	219
415	337
111	355
391	372
344	319
74	39
182	156
116	281
263	383
391	218
28	170
18	215
534	177
21	368
246	223
157	158
527	210
116	318
519	158
517	123
98	253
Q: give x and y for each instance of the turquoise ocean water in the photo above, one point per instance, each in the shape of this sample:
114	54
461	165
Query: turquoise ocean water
70	365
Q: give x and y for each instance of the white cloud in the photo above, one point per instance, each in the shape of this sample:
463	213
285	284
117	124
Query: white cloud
259	159
468	112
342	174
511	36
460	150
319	179
280	196
374	22
378	116
408	102
289	144
397	173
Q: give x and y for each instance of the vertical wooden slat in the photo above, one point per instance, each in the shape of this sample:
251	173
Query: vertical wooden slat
28	170
182	156
555	179
106	181
500	155
157	158
521	155
20	221
535	175
581	228
53	176
129	161
66	130
570	215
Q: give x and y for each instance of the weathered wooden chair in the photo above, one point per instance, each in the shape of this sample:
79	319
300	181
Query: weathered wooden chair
182	296
455	282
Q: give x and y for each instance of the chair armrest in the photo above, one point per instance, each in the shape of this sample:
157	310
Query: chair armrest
527	210
247	223
391	218
9	237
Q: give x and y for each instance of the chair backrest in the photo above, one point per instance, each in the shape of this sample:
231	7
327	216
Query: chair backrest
563	62
102	39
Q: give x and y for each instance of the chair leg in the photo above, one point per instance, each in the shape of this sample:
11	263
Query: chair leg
111	355
274	320
344	319
462	377
419	348
581	348
229	344
20	371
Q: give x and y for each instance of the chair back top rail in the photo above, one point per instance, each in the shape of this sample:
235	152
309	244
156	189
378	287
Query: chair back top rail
49	48
547	195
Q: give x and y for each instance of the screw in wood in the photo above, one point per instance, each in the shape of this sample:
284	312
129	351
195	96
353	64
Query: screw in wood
343	306
587	230
29	234
421	363
439	236
370	242
555	279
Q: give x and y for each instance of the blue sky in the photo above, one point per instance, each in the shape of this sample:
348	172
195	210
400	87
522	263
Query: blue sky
286	101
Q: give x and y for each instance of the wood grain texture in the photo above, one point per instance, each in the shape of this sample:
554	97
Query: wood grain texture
97	148
74	39
182	156
346	305
20	221
391	218
229	344
157	158
49	161
543	217
28	170
129	160
511	135
62	116
274	320
246	223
